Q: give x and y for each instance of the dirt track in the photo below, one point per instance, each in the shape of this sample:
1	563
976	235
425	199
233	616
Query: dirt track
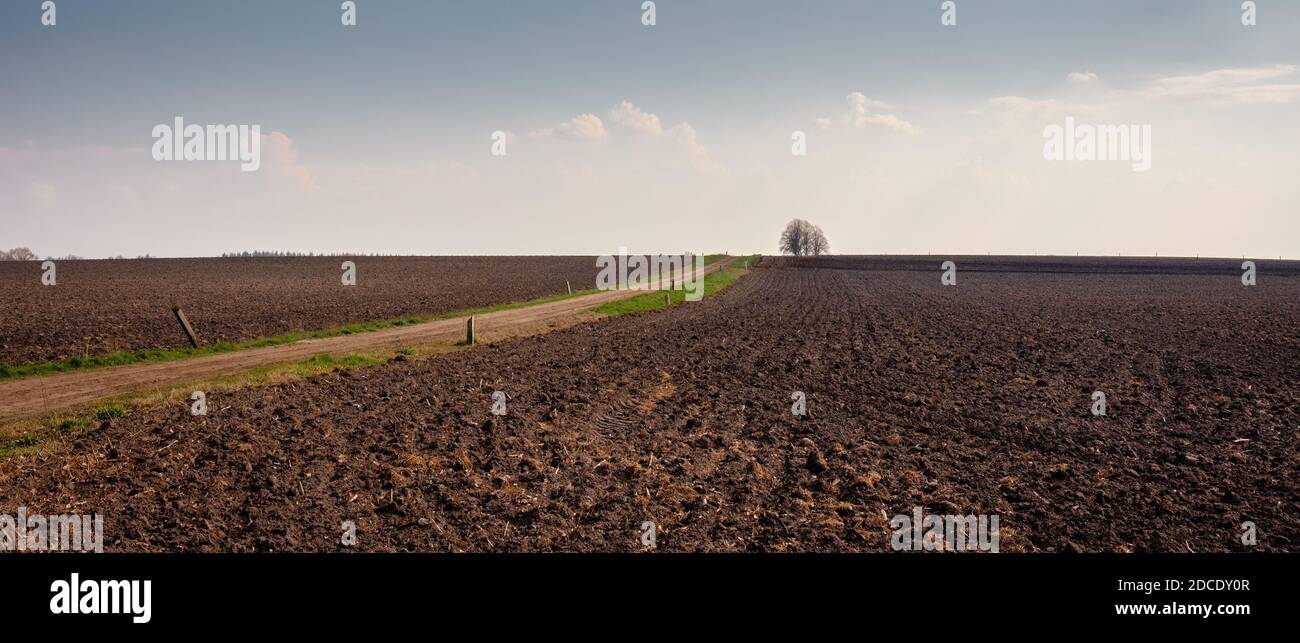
38	396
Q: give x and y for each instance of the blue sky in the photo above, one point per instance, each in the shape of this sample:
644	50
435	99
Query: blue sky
420	85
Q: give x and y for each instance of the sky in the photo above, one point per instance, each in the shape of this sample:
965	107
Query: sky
919	137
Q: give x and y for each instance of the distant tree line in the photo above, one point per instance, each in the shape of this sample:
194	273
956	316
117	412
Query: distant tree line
289	253
265	253
18	254
26	254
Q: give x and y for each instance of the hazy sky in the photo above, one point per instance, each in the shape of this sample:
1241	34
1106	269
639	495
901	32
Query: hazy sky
920	137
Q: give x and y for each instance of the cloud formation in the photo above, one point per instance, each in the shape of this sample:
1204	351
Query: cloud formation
682	139
281	159
1243	85
864	112
633	118
583	127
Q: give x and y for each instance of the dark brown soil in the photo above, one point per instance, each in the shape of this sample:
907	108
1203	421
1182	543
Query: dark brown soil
969	399
105	306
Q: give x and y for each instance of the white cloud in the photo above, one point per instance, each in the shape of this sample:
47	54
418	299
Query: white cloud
1022	104
862	113
1024	109
888	121
682	135
1216	88
281	159
631	117
583	127
1245	85
859	103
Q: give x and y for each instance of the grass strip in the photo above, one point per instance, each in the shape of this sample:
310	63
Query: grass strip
654	300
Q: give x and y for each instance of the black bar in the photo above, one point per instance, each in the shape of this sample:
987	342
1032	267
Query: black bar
231	591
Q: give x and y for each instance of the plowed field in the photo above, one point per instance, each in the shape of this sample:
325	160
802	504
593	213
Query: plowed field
972	399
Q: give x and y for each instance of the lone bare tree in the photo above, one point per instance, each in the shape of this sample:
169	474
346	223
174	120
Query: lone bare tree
801	238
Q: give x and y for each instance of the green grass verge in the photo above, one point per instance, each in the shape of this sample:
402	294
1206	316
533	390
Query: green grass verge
62	426
322	363
713	282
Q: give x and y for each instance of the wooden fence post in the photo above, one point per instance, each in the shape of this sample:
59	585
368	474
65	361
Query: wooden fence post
185	326
469	331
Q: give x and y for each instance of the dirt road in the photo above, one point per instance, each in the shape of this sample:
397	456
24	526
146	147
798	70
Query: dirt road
38	396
